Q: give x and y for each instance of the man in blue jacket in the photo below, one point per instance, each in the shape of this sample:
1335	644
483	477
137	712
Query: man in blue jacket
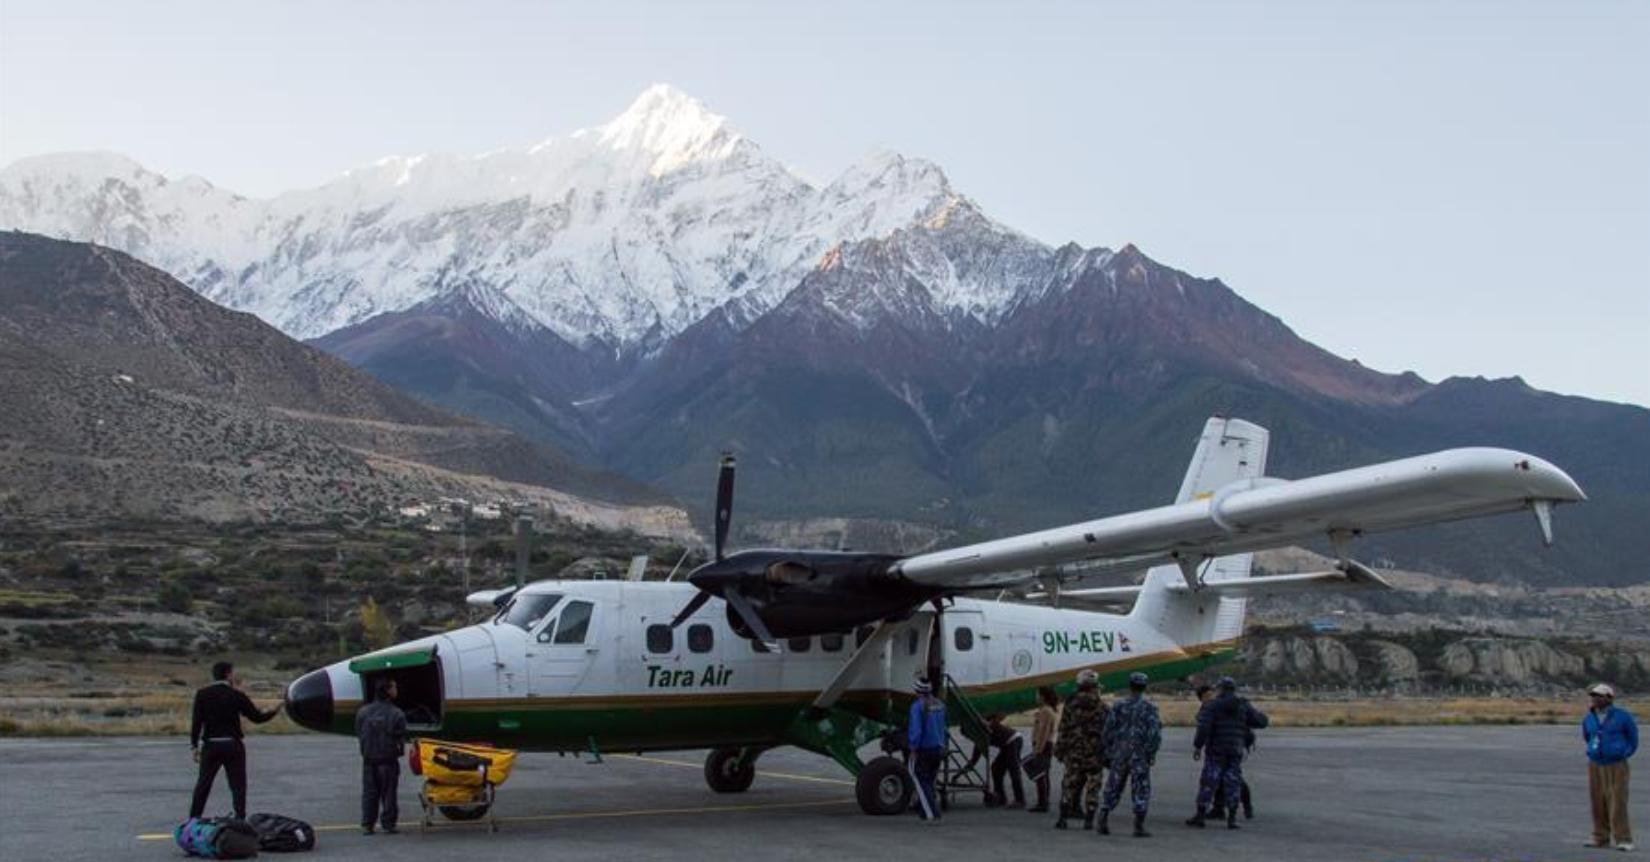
1612	737
926	736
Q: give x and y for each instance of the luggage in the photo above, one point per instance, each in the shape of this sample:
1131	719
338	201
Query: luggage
465	765
279	834
216	838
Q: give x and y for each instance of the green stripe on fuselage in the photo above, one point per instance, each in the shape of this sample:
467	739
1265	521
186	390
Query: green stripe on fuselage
649	723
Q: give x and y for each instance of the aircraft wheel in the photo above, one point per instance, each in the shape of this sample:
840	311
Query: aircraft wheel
884	787
727	772
465	812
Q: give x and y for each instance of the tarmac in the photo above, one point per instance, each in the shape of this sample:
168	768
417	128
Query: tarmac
1424	793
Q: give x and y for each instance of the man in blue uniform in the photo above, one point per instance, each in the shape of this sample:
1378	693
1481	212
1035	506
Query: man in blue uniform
926	736
1134	732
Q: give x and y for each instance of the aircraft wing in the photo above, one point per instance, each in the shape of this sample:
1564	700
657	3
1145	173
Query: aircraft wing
1258	512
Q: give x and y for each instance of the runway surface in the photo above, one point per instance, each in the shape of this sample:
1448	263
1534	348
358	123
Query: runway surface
1432	793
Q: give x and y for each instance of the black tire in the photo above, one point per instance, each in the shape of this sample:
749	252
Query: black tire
465	812
884	787
726	774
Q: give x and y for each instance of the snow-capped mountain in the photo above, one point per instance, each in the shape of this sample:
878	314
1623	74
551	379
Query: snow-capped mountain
651	292
621	236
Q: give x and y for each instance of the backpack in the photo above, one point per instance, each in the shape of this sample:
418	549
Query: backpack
216	838
279	834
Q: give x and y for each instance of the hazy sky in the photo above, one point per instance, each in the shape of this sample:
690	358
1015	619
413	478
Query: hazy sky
1449	187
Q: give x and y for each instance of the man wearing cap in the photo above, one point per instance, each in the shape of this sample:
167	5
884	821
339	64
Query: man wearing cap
1224	727
1079	746
1133	734
1612	738
926	736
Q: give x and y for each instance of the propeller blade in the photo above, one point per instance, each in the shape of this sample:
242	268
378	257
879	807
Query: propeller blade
742	607
724	503
693	605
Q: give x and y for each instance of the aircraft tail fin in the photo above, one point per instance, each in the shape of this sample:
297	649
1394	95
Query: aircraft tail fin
1230	451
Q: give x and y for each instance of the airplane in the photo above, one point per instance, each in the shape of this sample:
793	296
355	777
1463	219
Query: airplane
818	649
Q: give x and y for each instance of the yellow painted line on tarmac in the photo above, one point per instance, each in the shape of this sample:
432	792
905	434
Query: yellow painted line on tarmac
637	812
791	776
584	815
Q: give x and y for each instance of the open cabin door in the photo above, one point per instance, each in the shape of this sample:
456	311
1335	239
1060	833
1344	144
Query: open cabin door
417	675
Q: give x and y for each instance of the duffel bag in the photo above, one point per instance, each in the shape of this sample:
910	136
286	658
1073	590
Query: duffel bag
281	834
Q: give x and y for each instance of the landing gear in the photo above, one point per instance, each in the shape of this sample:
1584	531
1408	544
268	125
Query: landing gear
730	770
884	787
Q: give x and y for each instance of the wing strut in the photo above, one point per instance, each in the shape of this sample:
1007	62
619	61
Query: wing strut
867	651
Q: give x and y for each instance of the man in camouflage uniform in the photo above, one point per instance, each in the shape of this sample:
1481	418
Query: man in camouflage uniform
1078	746
1133	734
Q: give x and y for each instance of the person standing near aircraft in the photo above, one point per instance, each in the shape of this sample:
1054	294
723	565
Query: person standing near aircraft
1079	746
1134	733
1612	738
1217	807
1010	745
926	737
215	736
381	727
1042	742
1224	726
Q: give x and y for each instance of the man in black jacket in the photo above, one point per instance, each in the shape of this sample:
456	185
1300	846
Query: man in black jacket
381	727
1224	727
215	736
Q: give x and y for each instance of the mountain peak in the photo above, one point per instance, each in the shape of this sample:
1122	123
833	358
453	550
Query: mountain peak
672	127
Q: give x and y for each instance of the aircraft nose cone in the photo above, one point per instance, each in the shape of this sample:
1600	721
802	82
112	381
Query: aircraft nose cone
309	700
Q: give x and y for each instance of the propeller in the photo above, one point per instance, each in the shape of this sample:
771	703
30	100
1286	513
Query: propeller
724	503
711	581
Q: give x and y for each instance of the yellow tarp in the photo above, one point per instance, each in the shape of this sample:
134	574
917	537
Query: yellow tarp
461	765
452	794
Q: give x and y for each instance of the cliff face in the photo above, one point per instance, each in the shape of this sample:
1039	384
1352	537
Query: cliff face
1433	660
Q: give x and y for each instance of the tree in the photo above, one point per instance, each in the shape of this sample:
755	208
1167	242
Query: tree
377	631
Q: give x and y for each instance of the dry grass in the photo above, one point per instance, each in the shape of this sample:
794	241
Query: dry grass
1394	711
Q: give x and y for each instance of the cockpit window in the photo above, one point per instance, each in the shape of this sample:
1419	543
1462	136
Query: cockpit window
574	623
526	612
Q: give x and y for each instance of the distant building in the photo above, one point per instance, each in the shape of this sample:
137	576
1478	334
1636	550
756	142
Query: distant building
1325	627
486	511
417	511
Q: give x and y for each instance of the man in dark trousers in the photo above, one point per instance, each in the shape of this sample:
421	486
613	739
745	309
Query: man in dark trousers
381	727
1010	746
926	739
1224	726
215	736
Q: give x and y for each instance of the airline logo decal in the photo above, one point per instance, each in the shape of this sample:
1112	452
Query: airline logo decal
1064	642
715	676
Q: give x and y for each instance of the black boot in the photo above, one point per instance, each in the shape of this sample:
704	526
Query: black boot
1061	823
1231	819
1104	827
1198	819
1248	811
1140	826
1088	819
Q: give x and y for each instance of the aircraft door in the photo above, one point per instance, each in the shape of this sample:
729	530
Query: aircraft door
563	650
908	651
967	647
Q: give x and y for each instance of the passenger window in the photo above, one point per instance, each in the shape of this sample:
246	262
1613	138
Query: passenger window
700	637
574	623
863	634
799	644
963	639
831	642
660	639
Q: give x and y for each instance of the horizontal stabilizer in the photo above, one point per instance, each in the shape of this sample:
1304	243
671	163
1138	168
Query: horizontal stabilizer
1355	576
